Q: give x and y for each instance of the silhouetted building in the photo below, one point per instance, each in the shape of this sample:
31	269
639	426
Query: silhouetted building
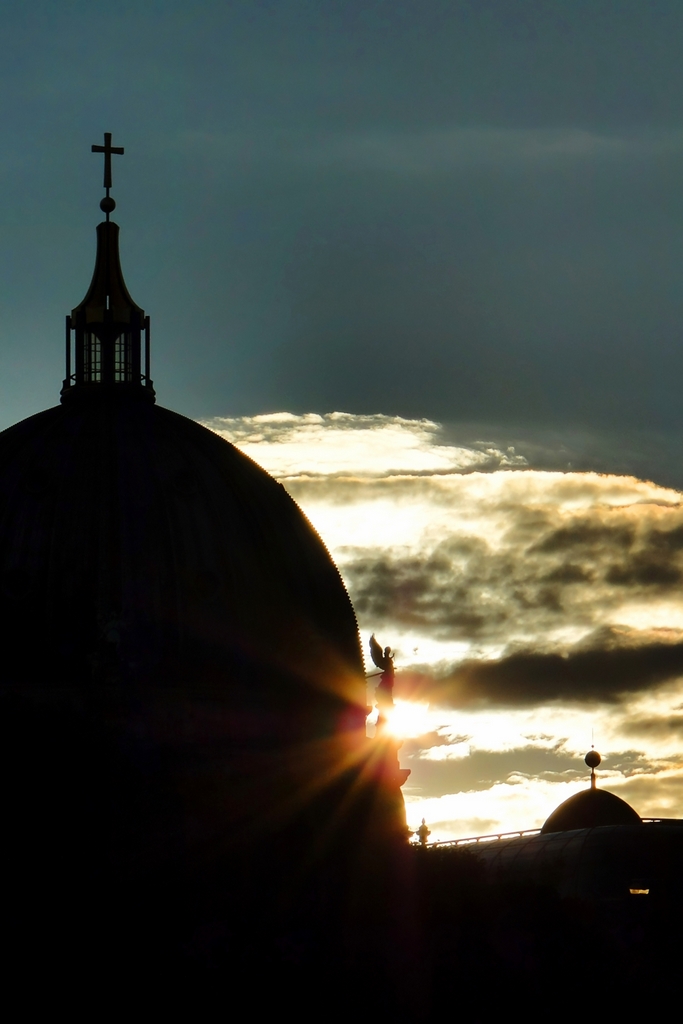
182	692
506	919
188	791
591	807
593	846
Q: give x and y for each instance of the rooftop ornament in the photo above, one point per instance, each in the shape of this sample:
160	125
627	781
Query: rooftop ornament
592	759
104	334
107	205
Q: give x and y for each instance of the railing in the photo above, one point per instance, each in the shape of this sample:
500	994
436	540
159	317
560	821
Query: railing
487	839
496	836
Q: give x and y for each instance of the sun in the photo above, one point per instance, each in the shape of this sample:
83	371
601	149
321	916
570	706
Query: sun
408	719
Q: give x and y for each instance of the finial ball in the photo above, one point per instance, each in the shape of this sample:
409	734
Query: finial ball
107	205
593	759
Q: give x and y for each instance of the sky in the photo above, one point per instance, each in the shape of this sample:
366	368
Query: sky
532	613
439	246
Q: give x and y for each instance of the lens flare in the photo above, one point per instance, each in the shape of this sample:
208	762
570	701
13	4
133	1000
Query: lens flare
408	719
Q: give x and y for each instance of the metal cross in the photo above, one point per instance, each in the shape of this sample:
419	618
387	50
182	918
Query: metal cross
107	149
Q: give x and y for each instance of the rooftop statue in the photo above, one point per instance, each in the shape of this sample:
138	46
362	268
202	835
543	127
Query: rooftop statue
423	833
384	692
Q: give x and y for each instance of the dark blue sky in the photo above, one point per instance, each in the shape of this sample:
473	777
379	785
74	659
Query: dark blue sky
466	211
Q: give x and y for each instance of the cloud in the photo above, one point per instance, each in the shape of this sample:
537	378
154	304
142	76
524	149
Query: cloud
483	769
443	544
584	533
655	794
523	802
612	664
526	608
647	727
549	570
310	445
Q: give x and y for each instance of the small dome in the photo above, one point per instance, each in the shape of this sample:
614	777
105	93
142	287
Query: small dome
590	809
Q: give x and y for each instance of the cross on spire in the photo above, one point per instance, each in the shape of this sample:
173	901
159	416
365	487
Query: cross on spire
107	149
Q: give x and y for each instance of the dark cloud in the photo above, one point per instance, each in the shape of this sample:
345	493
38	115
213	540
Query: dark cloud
483	769
586	533
629	762
613	664
424	593
649	726
644	571
551	571
569	573
652	793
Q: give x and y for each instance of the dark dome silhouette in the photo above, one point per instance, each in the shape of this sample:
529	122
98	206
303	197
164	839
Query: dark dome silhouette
591	808
136	543
183	752
168	607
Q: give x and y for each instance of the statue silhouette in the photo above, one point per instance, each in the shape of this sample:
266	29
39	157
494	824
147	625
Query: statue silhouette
384	692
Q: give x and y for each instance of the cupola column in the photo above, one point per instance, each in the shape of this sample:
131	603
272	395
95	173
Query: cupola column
107	333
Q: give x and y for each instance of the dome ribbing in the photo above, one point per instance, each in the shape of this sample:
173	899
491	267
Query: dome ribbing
139	545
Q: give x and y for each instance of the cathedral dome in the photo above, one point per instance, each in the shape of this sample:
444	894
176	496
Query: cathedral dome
136	544
167	605
182	693
138	547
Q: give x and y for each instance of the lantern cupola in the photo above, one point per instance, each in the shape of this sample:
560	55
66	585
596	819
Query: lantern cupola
107	334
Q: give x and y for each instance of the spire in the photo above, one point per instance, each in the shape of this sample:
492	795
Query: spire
104	333
592	759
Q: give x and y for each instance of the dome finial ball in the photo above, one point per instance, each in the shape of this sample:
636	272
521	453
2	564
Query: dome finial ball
593	759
